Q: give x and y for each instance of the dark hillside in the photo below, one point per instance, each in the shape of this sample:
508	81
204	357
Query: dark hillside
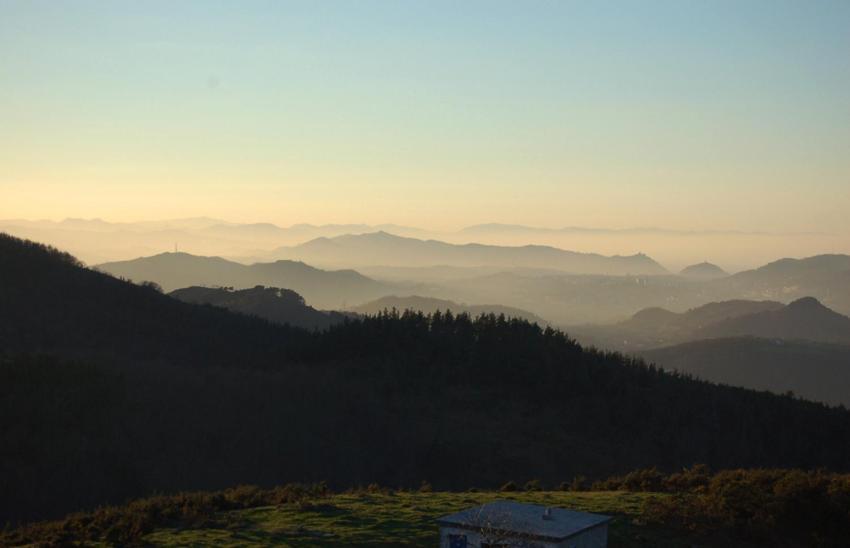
277	305
51	303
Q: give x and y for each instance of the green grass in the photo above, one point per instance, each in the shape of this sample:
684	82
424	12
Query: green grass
401	519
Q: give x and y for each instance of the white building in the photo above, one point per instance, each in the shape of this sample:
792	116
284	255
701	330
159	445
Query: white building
516	525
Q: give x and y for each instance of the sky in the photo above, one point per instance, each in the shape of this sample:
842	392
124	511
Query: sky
680	114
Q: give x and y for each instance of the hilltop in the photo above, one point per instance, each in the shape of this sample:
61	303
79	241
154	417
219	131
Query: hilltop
703	271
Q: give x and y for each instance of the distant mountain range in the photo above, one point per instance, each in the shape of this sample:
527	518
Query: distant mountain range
501	228
826	277
385	249
803	347
428	305
562	298
321	288
97	241
277	305
803	319
811	370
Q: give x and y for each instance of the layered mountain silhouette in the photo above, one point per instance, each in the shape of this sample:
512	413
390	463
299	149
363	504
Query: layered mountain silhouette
111	390
805	319
802	347
429	305
562	298
568	300
97	241
321	288
815	371
282	306
703	271
825	277
502	228
383	248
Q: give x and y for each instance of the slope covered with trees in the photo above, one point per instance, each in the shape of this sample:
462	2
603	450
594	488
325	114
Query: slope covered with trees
429	305
275	304
146	394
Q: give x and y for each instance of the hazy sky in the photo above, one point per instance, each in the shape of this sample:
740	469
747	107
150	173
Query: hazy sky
681	114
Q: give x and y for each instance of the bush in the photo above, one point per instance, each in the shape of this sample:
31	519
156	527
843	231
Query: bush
123	525
767	506
533	485
579	483
508	487
688	479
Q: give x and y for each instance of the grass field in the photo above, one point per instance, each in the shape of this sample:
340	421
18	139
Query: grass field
404	518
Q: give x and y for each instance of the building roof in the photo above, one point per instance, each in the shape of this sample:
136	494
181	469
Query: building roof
524	520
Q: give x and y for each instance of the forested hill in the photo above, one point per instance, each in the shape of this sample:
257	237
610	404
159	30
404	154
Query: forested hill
275	304
395	399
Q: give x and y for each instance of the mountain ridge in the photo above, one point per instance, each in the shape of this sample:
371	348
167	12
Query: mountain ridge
321	288
383	248
804	318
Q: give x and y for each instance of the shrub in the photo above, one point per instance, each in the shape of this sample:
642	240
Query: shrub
688	479
122	525
766	506
533	485
579	483
508	487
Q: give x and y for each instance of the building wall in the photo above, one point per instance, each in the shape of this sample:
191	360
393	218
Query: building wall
592	538
474	539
